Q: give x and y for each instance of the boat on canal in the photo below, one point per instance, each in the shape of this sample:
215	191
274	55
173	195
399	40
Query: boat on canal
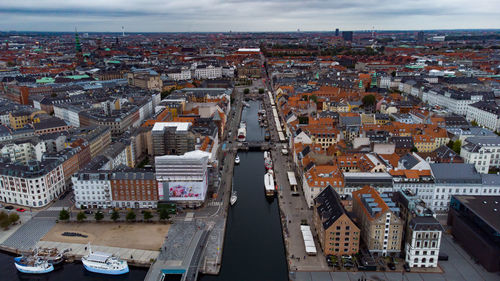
104	263
234	197
242	132
269	183
268	162
51	255
267	135
237	160
32	265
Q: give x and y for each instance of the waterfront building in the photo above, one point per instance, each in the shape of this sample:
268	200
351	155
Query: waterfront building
337	233
380	221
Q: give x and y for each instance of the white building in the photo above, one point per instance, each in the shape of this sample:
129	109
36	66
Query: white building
92	190
23	152
207	72
183	178
423	240
486	114
483	152
68	113
459	179
32	185
456	102
179	74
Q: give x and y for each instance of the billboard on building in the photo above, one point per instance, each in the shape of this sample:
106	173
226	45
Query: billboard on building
182	191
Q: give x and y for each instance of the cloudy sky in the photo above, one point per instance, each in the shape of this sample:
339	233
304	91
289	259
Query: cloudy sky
246	15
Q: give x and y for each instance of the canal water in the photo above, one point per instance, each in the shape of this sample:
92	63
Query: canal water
253	245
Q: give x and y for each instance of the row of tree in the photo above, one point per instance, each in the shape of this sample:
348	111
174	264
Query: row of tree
7	220
64	215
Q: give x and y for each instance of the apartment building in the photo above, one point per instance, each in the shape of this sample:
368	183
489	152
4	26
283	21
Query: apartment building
92	190
33	185
172	138
179	74
149	80
422	232
486	114
134	189
337	233
23	152
380	221
483	152
207	72
318	178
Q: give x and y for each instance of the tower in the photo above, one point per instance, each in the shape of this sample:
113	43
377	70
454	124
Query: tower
78	49
337	32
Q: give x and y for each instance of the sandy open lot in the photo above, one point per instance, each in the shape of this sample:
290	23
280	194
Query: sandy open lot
135	236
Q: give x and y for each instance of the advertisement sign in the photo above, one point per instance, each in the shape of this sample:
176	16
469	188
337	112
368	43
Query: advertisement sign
186	190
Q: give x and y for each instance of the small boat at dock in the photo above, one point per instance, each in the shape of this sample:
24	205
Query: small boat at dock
32	265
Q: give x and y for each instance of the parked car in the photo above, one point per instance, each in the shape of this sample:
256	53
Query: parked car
88	212
9	207
442	256
406	266
21	210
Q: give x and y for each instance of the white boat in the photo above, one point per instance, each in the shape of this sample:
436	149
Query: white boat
245	104
234	197
32	265
269	183
242	131
104	263
237	160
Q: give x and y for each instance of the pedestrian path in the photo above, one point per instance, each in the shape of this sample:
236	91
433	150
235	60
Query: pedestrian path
30	233
189	216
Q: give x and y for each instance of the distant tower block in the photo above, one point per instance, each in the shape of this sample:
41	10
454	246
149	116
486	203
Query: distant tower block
123	31
337	32
78	48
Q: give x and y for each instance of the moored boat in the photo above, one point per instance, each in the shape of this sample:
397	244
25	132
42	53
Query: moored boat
269	183
51	255
104	263
237	160
32	265
234	197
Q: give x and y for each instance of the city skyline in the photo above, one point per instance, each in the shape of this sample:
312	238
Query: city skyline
244	16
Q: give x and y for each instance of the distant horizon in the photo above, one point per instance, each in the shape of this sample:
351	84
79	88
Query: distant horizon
231	31
158	16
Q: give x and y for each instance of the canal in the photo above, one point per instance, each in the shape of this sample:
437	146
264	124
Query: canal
253	245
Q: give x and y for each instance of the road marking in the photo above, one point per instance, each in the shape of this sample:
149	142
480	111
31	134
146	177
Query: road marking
189	216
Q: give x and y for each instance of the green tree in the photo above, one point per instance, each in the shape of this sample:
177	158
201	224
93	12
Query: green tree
164	215
98	216
457	146
261	90
4	224
64	215
147	215
314	98
474	123
303	120
130	216
13	218
246	91
115	215
414	149
81	216
368	100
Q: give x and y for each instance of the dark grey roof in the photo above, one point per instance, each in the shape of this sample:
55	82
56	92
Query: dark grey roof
52	122
485	207
402	142
328	206
455	173
409	161
425	223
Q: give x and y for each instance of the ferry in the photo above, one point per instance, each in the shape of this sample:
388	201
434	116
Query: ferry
104	263
269	183
234	197
32	265
237	160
